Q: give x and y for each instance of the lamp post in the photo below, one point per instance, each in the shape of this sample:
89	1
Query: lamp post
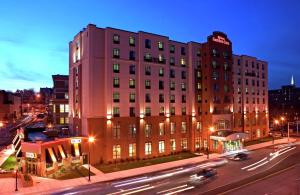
91	140
16	180
211	129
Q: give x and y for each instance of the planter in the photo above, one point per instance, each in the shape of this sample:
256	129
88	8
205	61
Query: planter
26	180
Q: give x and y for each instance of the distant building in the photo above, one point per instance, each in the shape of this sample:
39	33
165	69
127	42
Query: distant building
46	95
285	102
10	106
60	100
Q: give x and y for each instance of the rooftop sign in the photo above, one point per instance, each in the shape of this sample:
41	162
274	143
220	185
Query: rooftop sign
220	39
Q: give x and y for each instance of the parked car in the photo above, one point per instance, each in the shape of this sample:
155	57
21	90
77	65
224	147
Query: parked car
240	156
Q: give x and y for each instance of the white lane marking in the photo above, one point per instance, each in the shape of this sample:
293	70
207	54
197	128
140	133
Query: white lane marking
278	154
171	189
254	163
139	190
122	191
181	190
129	180
253	168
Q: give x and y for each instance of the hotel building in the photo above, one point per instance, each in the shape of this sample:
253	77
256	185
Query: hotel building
143	95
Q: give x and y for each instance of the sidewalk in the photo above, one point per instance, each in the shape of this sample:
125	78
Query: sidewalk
45	185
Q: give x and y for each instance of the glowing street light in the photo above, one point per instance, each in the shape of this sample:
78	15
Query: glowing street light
90	140
276	122
1	124
282	118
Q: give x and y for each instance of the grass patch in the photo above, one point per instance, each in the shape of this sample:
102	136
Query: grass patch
71	173
262	140
10	163
108	168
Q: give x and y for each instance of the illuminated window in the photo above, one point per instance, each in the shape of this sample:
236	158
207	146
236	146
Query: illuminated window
116	96
132	130
199	86
172	98
116	52
197	143
161	146
184	143
131	41
116	68
132	97
148	130
173	144
182	62
183	86
54	108
148	111
116	82
172	127
116	152
172	110
62	120
61	108
161	110
131	83
172	85
160	45
147	84
116	131
160	58
198	126
132	150
66	95
161	129
183	110
183	127
66	107
116	111
66	120
116	39
148	148
161	71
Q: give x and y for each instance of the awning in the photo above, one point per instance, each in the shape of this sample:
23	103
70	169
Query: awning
229	136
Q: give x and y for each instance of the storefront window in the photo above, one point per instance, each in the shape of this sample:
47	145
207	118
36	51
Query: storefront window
116	152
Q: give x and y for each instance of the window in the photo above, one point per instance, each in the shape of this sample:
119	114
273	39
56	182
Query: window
116	53
131	97
172	144
61	120
183	110
183	75
183	99
172	61
172	48
183	127
183	86
147	84
147	70
161	129
147	57
148	43
132	131
161	72
161	111
214	64
199	86
172	111
131	55
66	107
183	143
160	46
182	51
61	108
226	67
161	85
116	96
131	41
198	126
116	111
172	98
199	98
116	39
131	69
148	111
215	75
116	68
147	98
172	73
116	131
172	85
226	89
197	143
198	53
198	74
161	146
116	152
161	58
132	150
148	128
116	82
182	62
172	127
132	111
161	98
147	148
131	83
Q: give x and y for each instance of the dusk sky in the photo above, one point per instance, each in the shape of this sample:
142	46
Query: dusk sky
34	35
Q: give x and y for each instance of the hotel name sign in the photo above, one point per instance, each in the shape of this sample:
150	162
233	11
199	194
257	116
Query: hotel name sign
30	155
75	141
220	39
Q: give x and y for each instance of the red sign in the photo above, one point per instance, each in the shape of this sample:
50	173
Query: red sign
220	39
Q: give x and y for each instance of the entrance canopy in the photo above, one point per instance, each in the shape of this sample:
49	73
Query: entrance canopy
227	135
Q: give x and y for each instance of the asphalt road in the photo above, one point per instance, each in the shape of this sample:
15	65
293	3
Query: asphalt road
231	176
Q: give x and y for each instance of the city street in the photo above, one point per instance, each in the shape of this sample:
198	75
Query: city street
230	176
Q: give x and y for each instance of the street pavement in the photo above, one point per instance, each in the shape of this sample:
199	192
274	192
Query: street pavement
179	180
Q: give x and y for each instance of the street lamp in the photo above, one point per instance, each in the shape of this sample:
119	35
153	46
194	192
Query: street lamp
1	124
91	140
211	129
